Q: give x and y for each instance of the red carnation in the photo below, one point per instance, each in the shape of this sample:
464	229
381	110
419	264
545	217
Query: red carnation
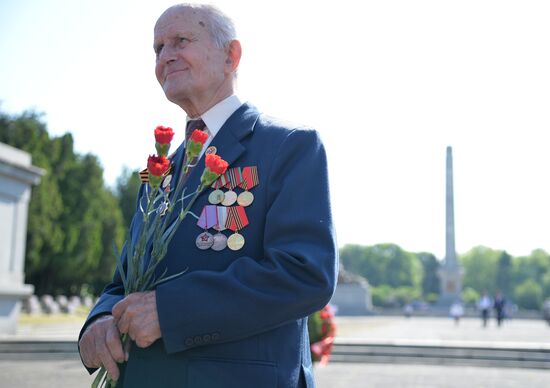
216	164
157	165
163	135
199	136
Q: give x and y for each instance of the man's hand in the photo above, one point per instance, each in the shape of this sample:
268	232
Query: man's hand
100	346
137	315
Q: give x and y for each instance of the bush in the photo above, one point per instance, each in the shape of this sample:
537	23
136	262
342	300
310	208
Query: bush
382	296
528	295
386	296
431	298
470	296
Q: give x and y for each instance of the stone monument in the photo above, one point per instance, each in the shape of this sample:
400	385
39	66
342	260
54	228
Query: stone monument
450	272
352	295
17	174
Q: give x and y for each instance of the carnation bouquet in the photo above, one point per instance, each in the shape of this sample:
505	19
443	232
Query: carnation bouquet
138	268
321	330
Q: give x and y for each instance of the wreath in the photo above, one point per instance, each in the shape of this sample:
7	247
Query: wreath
321	330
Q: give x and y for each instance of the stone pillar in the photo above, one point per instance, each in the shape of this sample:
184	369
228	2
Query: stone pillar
17	174
450	273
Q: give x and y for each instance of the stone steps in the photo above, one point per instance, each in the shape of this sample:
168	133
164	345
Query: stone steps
524	356
441	354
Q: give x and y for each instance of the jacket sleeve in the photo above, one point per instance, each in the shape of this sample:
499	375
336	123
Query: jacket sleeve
295	275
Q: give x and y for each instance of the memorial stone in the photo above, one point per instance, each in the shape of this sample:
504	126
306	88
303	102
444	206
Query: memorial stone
352	296
31	305
17	175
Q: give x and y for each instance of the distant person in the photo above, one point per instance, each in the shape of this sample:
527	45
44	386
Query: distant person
499	306
408	310
456	311
546	310
484	305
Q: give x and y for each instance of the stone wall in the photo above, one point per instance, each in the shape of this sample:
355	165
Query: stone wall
16	177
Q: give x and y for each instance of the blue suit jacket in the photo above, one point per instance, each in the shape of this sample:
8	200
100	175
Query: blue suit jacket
237	318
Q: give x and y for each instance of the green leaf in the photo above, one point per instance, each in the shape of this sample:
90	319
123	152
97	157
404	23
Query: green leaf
100	375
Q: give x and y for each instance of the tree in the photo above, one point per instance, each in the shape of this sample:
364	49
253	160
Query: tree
384	264
71	213
528	295
534	267
357	259
504	273
470	296
430	265
480	268
127	187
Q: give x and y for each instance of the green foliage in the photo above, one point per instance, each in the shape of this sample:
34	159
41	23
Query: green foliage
314	323
127	187
480	265
386	296
397	277
470	296
504	273
535	267
528	295
73	219
430	266
431	298
384	264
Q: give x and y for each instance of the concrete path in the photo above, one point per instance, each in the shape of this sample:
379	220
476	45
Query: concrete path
69	373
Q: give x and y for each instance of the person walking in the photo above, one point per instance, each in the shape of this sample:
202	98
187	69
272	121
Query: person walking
484	306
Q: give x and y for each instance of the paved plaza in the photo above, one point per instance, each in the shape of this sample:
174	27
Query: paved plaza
522	332
69	372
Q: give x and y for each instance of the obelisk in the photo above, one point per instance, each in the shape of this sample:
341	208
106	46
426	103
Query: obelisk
450	272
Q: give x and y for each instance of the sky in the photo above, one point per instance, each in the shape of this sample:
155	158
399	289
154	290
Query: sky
388	85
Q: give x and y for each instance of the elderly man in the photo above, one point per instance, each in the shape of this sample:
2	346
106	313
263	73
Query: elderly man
236	317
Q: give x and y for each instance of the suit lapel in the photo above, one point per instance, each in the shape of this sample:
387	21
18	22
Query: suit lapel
228	144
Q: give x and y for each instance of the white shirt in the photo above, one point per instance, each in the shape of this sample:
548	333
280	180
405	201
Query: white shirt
215	117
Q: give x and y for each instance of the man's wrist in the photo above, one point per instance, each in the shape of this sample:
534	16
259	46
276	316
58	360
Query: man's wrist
96	319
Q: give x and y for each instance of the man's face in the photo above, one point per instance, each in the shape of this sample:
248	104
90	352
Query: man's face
188	64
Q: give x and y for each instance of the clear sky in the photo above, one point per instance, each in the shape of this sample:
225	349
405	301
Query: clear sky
388	84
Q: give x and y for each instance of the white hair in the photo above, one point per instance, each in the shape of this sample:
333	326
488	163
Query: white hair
220	26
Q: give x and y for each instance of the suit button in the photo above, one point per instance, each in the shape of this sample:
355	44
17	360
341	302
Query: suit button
215	336
197	340
207	338
189	341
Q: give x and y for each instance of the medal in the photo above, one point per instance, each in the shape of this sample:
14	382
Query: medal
248	181
236	220
163	208
207	220
235	241
166	182
211	150
204	240
220	242
229	198
233	178
245	198
216	197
